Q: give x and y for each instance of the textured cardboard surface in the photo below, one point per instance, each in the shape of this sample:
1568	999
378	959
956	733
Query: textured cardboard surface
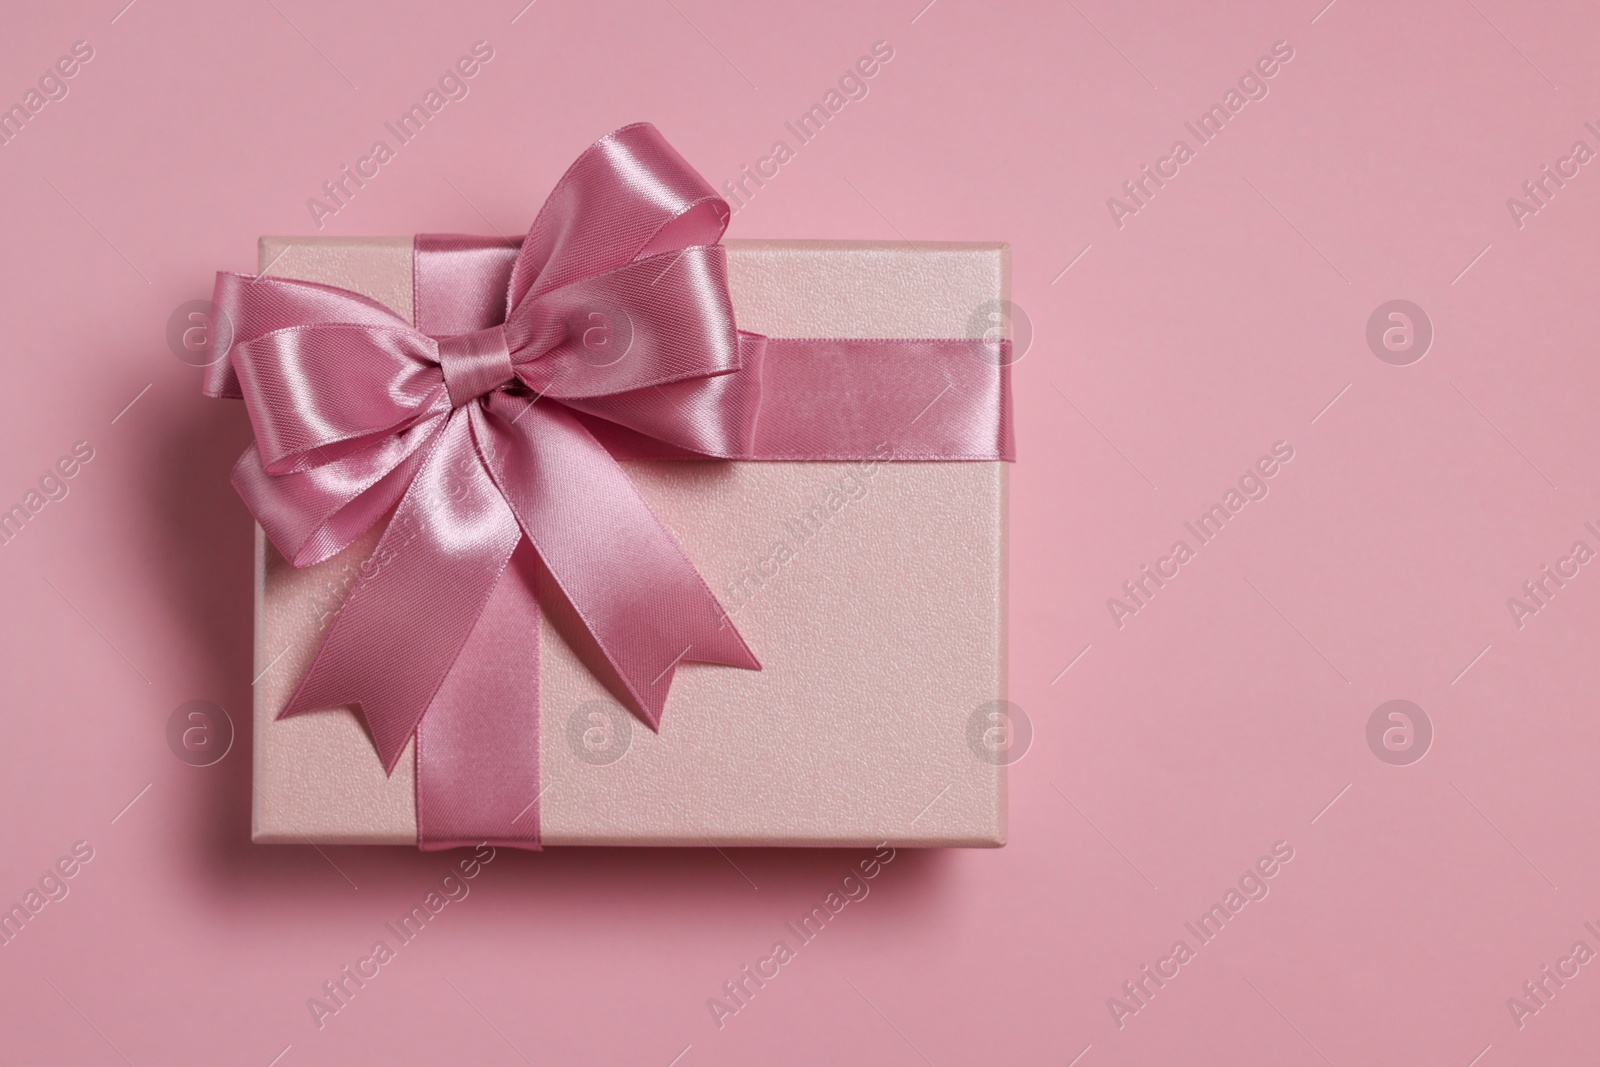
880	637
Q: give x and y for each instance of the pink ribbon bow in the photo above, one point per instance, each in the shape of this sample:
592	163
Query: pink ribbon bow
484	444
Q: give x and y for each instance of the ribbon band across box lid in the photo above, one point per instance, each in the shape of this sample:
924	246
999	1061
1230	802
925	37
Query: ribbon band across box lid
478	471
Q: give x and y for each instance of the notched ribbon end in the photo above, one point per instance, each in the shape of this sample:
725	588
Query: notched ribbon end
390	744
647	698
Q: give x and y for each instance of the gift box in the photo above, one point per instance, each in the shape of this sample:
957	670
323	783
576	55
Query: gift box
871	589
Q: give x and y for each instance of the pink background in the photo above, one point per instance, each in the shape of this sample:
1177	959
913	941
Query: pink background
1226	716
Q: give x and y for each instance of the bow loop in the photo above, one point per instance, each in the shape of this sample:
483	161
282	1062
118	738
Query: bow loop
316	393
314	514
248	306
629	194
657	320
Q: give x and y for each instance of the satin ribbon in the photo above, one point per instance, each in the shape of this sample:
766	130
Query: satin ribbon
491	429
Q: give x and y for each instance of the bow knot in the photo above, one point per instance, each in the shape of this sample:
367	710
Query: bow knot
475	363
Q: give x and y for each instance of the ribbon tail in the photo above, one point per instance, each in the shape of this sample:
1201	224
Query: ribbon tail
418	597
629	583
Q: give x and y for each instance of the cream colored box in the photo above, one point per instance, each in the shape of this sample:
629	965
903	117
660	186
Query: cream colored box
881	637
